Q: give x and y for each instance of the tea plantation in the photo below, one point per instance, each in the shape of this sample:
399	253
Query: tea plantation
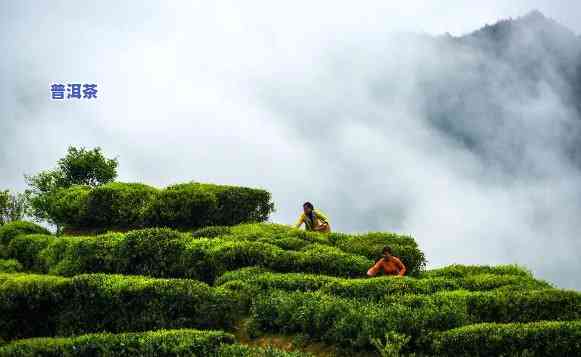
246	288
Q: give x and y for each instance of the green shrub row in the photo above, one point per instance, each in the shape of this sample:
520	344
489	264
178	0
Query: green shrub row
41	305
10	266
238	350
349	324
254	280
27	249
123	206
462	271
8	276
353	323
165	253
547	338
12	229
369	245
152	343
505	305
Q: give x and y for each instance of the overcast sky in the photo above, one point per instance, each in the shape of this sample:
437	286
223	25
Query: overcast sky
277	96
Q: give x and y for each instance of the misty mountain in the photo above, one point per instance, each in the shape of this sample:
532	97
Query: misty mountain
534	42
506	79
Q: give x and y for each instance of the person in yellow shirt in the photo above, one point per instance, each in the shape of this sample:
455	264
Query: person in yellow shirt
313	219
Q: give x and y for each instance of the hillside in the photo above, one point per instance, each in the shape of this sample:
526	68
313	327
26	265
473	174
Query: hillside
487	80
262	289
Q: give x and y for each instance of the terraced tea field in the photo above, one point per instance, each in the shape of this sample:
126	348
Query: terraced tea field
265	290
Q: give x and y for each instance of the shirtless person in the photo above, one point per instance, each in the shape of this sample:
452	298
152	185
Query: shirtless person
389	264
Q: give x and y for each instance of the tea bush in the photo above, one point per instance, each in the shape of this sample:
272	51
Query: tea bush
524	306
508	305
257	280
288	280
371	245
182	206
68	206
151	343
368	245
4	276
238	350
152	251
173	343
354	323
274	232
348	323
487	281
321	259
27	248
167	253
461	271
110	206
211	232
163	252
42	305
237	204
10	266
123	206
379	288
11	230
30	304
207	259
118	205
75	255
268	280
546	338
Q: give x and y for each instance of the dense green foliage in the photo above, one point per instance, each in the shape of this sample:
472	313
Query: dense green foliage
182	206
238	350
371	246
165	253
212	232
66	206
235	204
86	167
123	206
153	343
40	305
10	266
252	281
27	249
547	338
461	271
367	245
114	206
267	279
162	252
353	323
137	260
173	343
10	230
79	167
